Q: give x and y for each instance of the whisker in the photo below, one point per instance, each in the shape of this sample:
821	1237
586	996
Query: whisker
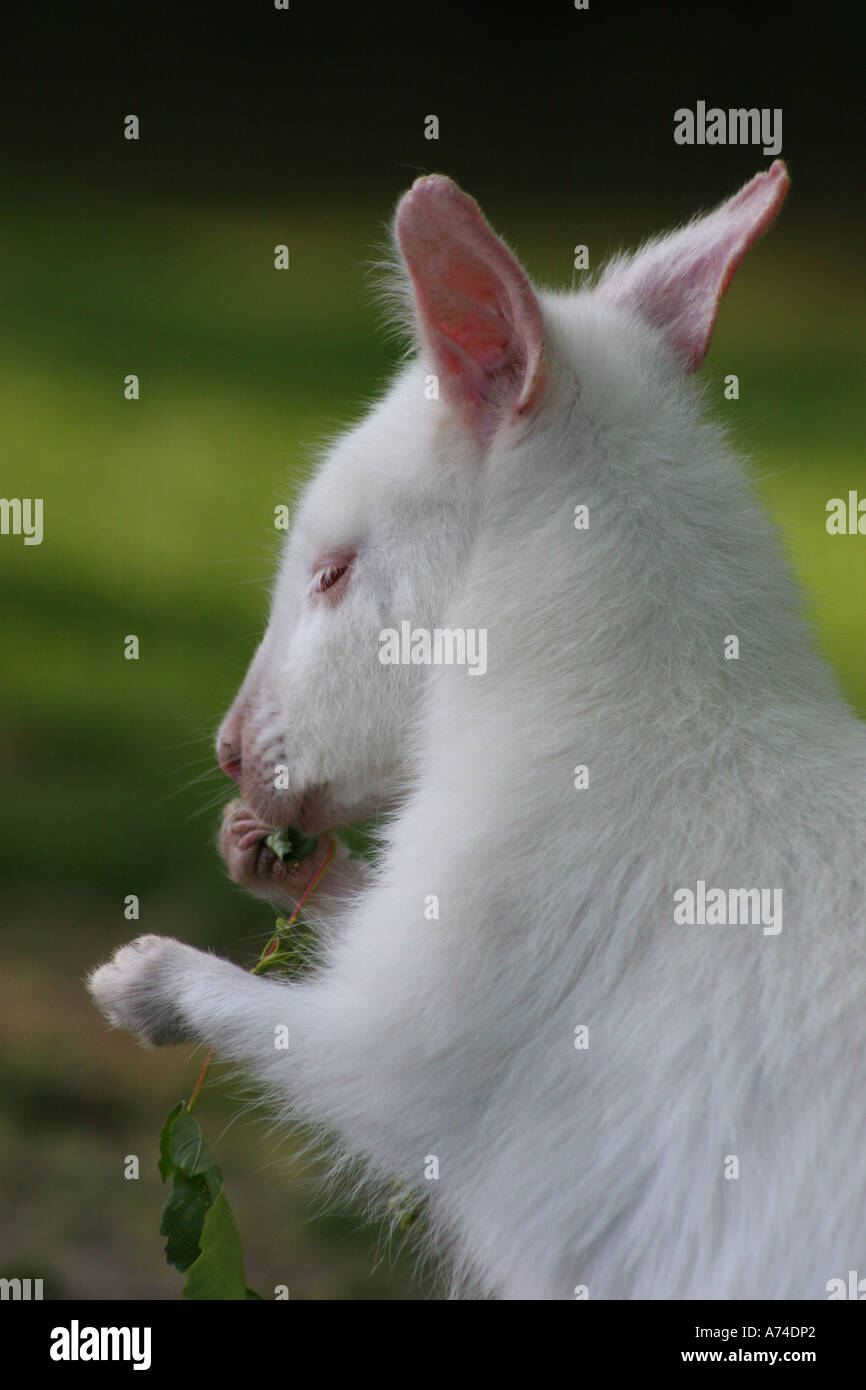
210	774
221	800
205	758
185	743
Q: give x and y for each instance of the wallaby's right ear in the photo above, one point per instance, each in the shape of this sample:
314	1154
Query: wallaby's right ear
475	307
677	282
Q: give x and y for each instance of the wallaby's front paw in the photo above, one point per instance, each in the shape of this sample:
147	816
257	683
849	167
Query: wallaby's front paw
138	989
253	865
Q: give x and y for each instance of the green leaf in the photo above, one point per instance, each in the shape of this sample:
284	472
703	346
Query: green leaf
187	1148
291	845
166	1167
296	948
185	1157
218	1273
363	841
201	1236
183	1218
407	1212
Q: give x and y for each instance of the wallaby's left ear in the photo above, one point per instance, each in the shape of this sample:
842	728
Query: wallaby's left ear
677	283
475	306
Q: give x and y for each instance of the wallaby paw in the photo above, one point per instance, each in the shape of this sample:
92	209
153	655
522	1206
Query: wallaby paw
138	989
255	867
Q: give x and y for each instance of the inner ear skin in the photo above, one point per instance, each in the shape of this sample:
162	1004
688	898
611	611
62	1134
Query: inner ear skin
474	304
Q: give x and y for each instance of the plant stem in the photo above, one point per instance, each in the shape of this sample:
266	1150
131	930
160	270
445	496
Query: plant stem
198	1085
263	962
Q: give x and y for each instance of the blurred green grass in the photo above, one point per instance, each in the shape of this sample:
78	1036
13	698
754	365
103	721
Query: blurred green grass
158	521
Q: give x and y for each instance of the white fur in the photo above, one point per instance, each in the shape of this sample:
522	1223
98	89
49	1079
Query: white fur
455	1037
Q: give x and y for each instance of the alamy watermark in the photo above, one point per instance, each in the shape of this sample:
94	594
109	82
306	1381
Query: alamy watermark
743	907
737	126
443	646
77	1343
846	518
21	1290
22	516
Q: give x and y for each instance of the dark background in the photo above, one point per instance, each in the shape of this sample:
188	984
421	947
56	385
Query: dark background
242	100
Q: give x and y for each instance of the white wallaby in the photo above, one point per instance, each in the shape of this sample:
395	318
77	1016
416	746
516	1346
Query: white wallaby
601	999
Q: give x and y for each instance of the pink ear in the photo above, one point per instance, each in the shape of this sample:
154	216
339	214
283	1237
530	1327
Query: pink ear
677	283
476	309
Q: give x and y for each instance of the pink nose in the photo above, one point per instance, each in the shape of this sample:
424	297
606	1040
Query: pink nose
229	759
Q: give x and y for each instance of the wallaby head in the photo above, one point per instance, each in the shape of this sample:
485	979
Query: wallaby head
511	390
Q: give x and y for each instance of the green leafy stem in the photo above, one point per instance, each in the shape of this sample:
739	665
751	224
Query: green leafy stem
201	1236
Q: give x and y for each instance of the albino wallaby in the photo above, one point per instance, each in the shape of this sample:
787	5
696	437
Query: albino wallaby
601	999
